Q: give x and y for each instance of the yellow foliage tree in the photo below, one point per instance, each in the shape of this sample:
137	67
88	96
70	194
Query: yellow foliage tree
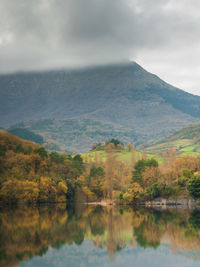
61	192
9	191
48	190
133	193
151	175
88	193
24	191
29	191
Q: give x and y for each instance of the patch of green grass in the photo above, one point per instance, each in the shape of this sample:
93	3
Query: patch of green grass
185	141
191	149
182	146
123	156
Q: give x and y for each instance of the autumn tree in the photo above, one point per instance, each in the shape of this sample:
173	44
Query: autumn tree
96	178
13	191
61	192
151	175
47	190
140	167
42	152
130	147
90	196
109	170
133	193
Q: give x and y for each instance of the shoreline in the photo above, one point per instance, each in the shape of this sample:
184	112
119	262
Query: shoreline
102	203
188	203
159	202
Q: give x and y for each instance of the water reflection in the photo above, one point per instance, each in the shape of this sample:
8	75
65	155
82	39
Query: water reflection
97	235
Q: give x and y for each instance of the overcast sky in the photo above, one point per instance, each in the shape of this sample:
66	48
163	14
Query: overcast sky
161	35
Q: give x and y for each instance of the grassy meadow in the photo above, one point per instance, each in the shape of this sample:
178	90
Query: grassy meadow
124	156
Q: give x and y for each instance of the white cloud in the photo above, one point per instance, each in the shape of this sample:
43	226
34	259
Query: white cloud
162	35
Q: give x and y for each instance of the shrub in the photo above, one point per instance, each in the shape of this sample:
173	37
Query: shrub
168	190
155	190
193	186
181	181
121	196
187	173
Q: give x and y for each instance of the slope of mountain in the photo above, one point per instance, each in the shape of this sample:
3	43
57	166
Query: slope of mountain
76	135
123	95
27	135
185	141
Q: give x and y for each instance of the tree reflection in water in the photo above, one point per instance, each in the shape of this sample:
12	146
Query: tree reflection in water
26	232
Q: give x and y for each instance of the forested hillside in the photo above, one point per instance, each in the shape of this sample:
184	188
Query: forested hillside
125	96
27	135
77	135
184	141
28	173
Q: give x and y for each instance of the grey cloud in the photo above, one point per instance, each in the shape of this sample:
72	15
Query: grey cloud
47	34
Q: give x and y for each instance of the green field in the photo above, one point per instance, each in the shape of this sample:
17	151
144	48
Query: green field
182	146
123	156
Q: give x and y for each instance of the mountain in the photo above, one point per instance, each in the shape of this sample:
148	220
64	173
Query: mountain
185	141
124	96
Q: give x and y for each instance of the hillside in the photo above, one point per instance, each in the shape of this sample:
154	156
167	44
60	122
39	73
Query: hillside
125	96
31	174
185	141
11	142
27	135
77	135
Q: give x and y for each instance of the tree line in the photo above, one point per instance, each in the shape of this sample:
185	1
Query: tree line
29	173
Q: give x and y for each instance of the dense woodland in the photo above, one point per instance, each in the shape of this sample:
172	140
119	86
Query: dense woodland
144	178
31	174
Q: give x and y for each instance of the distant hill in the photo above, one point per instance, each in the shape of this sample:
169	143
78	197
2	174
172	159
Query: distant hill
186	141
125	96
77	135
27	135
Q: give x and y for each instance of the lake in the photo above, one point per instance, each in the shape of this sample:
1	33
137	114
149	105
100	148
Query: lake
91	235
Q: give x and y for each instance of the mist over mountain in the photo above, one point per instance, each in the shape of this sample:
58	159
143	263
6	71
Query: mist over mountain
124	96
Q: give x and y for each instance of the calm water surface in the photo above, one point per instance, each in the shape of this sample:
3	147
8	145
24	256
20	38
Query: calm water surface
99	236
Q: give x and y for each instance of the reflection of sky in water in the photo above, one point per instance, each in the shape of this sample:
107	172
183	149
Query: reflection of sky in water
88	255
